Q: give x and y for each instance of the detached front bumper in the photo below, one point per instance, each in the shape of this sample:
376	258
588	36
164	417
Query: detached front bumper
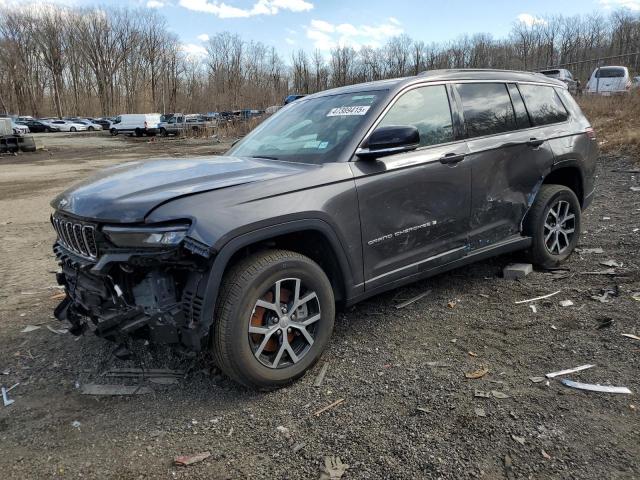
152	295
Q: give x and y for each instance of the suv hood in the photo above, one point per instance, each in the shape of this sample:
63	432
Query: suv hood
128	192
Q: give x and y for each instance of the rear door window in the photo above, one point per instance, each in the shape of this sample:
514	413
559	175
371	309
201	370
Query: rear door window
543	104
487	108
522	117
427	109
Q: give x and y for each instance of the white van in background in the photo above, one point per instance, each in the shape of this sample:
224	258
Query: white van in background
137	124
611	80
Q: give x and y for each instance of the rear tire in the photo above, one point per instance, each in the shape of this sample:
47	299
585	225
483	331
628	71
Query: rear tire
91	129
73	129
113	132
259	278
553	223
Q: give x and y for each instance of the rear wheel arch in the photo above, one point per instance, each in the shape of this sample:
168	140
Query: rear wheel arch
569	175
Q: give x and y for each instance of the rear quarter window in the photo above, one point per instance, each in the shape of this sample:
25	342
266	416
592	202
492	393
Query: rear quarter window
543	104
487	108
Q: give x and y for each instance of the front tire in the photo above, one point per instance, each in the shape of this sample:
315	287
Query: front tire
113	132
73	129
91	129
274	318
553	222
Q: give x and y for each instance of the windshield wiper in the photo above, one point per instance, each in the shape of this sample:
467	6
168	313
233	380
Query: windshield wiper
265	157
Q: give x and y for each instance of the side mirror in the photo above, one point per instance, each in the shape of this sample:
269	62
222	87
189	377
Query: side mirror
390	140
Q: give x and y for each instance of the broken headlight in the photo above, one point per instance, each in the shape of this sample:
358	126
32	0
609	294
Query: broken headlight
145	237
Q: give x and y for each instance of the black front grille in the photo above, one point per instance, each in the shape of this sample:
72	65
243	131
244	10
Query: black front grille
78	237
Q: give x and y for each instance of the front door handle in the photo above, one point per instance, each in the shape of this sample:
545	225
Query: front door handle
452	158
535	142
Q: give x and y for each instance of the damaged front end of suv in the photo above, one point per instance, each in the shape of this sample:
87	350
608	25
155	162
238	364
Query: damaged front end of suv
139	281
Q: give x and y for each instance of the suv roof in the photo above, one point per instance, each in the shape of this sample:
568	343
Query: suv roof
448	74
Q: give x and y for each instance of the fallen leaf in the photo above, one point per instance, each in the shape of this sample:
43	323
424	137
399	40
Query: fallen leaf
545	454
473	354
477	373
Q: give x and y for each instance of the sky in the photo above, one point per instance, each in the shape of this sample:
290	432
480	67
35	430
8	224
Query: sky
289	25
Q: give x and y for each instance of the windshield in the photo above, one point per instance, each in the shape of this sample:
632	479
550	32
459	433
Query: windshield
311	130
608	72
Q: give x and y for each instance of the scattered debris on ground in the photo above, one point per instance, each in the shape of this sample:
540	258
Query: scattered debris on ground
333	469
412	300
328	407
5	395
568	371
565	303
320	378
96	389
594	387
186	460
515	271
538	298
477	373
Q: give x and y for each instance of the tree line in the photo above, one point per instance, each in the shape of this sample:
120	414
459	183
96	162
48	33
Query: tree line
58	60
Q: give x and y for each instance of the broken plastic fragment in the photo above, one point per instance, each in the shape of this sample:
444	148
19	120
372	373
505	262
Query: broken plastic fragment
570	370
594	388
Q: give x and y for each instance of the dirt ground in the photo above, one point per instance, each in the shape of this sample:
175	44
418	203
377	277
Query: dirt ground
408	409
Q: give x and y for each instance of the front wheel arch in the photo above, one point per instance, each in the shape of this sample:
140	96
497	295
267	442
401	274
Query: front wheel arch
235	248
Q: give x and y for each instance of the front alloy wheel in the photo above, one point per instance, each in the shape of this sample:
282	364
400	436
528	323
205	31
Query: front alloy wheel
274	317
282	328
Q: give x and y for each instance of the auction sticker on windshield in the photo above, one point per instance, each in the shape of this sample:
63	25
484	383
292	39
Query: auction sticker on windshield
344	111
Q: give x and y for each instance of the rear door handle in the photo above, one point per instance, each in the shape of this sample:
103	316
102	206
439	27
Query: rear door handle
452	158
535	142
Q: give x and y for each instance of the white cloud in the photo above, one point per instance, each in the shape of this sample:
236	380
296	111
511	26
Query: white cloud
261	7
530	20
203	38
326	36
290	41
193	50
630	4
155	4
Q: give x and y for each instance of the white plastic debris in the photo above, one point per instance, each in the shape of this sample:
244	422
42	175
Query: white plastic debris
538	298
594	387
566	303
568	371
29	328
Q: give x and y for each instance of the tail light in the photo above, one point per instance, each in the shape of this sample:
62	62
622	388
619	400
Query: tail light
591	133
145	124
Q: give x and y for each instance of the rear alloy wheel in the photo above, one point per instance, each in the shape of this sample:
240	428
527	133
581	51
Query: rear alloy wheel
73	129
554	225
273	320
91	129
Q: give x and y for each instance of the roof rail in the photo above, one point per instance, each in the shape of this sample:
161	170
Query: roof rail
442	70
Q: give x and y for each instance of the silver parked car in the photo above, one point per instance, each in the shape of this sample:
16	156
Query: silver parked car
69	125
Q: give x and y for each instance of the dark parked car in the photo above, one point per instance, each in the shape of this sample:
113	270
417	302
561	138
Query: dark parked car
292	98
564	76
37	126
340	196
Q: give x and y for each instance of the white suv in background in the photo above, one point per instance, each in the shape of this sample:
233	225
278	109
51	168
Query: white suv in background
611	80
136	123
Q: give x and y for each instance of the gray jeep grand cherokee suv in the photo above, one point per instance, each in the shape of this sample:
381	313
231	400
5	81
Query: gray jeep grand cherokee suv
337	197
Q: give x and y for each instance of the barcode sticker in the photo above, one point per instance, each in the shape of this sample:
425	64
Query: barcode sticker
346	111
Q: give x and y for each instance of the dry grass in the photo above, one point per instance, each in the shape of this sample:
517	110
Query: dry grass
616	121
